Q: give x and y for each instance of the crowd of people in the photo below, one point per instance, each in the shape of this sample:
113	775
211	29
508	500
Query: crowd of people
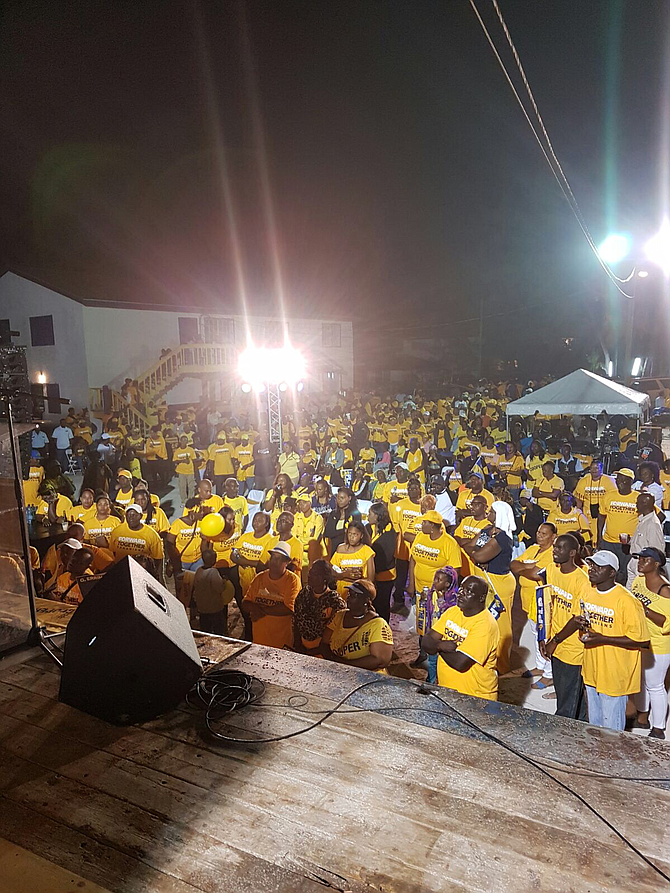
429	508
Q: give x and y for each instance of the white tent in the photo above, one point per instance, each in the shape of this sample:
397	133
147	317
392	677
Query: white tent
581	393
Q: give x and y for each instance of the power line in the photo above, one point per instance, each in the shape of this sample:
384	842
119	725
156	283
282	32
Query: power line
563	186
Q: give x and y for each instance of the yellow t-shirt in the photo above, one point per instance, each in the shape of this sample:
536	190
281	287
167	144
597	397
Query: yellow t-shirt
415	462
404	514
610	670
223	546
346	561
367	454
527	587
620	514
307	530
470	527
155	448
253	549
95	527
534	469
511	466
30	494
79	513
478	638
188	543
429	555
565	594
392	434
63	507
241	508
546	486
145	541
184	459
295	545
466	496
394	488
575	520
214	503
659	636
159	520
245	456
592	492
124	498
221	454
352	644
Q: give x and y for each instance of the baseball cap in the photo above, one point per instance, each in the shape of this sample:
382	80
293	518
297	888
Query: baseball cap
282	549
135	507
402	465
123	473
650	552
603	558
72	543
434	516
626	472
105	436
334	440
526	494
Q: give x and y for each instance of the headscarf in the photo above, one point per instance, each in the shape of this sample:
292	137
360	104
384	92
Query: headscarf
504	518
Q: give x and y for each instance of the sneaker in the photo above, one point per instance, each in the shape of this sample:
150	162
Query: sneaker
656	733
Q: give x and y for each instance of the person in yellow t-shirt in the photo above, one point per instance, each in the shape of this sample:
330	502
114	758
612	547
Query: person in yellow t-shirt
618	521
393	433
32	485
590	492
224	542
534	461
155	456
511	468
358	637
566	517
354	559
124	493
416	460
221	455
152	514
489	454
86	505
244	454
133	537
251	551
210	502
614	633
548	488
183	540
237	503
184	458
466	639
474	487
397	489
432	549
308	527
652	589
472	525
284	528
269	601
52	505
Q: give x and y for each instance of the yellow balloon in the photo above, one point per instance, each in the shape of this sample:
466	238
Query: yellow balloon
212	525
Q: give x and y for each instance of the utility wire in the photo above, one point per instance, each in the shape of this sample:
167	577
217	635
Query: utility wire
567	192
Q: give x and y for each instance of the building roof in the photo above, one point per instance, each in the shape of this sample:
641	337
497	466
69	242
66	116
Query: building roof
88	290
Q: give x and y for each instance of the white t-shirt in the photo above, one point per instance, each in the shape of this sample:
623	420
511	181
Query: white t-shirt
446	508
62	436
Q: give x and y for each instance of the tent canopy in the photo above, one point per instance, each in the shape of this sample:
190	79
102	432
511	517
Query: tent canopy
581	393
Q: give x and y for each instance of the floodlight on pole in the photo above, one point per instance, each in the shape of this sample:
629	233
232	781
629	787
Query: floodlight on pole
275	370
657	248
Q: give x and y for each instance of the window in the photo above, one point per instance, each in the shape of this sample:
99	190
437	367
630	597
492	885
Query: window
219	330
42	331
188	329
5	332
331	334
330	376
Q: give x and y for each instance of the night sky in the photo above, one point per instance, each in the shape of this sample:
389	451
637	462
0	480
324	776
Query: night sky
406	185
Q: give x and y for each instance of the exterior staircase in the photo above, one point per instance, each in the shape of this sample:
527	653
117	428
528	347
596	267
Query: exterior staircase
204	361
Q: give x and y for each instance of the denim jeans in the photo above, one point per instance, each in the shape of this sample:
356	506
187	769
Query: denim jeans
191	565
606	710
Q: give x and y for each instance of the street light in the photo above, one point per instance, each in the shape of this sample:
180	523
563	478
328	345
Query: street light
615	247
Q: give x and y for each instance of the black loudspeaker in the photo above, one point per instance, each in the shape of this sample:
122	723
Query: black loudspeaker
129	651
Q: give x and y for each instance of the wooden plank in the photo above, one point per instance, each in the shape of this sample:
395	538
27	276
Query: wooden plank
24	872
322	784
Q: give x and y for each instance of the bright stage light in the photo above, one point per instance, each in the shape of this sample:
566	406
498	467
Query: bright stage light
246	388
300	386
41	378
657	248
643	273
267	365
283	386
614	248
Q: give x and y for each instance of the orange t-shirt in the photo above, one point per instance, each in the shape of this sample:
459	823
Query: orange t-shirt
277	632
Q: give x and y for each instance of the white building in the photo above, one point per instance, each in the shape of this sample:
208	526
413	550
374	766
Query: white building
83	346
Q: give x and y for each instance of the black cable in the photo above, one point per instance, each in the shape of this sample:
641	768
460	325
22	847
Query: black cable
221	692
565	787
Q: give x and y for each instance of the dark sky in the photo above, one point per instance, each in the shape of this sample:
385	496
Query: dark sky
405	181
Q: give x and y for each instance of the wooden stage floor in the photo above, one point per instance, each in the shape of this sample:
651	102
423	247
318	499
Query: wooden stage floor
398	803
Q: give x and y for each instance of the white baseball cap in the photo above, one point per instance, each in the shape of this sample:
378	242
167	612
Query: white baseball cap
72	543
603	558
135	507
282	549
